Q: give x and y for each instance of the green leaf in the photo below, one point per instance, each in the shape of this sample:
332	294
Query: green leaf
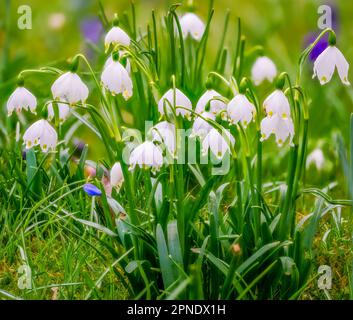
166	265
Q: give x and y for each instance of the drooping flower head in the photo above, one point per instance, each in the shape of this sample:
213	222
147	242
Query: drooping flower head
116	79
127	65
164	132
317	158
116	175
69	87
63	109
282	128
116	35
41	133
263	69
20	99
277	103
201	127
146	155
240	109
328	60
174	99
192	25
217	143
209	98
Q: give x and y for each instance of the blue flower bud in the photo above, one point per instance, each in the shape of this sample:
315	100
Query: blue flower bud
92	190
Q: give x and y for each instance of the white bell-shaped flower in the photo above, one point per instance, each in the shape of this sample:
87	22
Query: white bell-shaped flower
317	158
210	97
277	103
116	175
146	155
282	128
116	36
164	132
116	79
240	109
20	99
327	61
63	109
263	69
69	87
41	133
174	99
217	143
110	60
192	25
201	128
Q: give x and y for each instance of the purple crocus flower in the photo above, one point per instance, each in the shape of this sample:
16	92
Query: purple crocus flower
92	190
92	29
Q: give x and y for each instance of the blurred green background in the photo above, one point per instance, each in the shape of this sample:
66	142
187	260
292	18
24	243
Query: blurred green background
62	28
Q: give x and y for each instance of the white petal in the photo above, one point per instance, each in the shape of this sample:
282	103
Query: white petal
174	100
324	65
64	111
277	103
210	97
217	143
192	25
146	155
20	99
164	132
116	79
201	127
116	175
262	69
240	109
342	66
69	87
41	132
117	35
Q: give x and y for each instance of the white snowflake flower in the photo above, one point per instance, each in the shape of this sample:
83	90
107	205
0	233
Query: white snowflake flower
192	25
69	87
277	103
282	128
174	99
210	97
201	127
263	69
146	155
20	99
240	109
164	132
41	133
116	79
217	143
327	61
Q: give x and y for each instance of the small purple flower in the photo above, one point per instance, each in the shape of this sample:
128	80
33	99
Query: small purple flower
92	29
323	42
319	47
92	190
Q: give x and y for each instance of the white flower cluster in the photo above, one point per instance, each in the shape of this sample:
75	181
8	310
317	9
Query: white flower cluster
68	90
